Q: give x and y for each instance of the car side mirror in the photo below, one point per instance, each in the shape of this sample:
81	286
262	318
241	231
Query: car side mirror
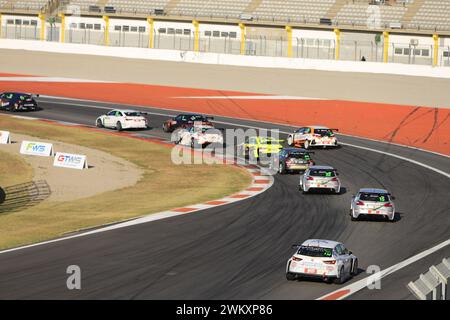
350	252
295	246
393	198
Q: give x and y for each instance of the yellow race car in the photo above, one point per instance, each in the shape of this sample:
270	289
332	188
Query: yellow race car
255	146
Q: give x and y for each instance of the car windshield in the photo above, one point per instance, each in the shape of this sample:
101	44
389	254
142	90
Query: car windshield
24	97
315	252
268	141
322	173
375	197
133	114
299	155
323	132
195	117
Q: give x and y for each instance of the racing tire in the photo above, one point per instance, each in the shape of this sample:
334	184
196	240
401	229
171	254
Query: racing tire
354	271
99	123
290	141
341	278
119	126
165	128
290	276
306	145
281	168
391	220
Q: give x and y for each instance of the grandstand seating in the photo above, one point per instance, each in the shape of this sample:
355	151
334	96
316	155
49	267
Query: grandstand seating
24	5
294	10
412	14
433	14
358	13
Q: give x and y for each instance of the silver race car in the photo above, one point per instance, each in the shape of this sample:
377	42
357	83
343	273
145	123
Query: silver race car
320	177
372	202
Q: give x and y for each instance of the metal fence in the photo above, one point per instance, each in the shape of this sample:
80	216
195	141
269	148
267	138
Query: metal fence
350	50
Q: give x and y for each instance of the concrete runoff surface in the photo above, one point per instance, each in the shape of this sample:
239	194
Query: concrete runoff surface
240	251
415	91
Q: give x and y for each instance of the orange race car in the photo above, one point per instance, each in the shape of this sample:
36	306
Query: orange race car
313	136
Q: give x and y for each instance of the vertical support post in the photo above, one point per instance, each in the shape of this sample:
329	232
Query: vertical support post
196	35
42	18
289	43
151	33
242	26
337	49
1	25
63	27
106	19
436	50
386	47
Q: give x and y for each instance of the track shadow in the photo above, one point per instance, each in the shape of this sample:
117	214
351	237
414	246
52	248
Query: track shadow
21	196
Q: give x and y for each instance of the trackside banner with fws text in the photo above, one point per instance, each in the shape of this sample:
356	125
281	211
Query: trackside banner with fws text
36	148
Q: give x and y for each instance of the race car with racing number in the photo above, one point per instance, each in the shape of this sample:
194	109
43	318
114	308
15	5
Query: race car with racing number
15	101
322	259
292	160
313	136
122	119
186	120
320	178
255	146
372	202
198	135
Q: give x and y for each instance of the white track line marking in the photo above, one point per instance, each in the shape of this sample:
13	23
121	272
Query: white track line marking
361	284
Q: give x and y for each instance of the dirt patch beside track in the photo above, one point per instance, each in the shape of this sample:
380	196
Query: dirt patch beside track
105	172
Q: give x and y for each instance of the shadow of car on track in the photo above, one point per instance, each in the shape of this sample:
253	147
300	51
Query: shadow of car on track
316	192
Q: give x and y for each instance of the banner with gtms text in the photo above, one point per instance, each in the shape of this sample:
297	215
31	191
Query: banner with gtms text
68	160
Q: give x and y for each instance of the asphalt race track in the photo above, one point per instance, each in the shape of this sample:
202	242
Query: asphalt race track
240	251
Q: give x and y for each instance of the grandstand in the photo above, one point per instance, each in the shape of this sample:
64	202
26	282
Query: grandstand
363	14
27	5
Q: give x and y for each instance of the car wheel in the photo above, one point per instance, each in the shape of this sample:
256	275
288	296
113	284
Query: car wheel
306	144
290	276
341	278
354	271
290	141
165	128
391	219
99	123
119	126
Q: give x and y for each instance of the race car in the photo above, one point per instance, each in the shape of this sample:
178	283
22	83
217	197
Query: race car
322	259
293	160
372	202
320	177
186	120
122	119
313	136
14	101
197	136
255	146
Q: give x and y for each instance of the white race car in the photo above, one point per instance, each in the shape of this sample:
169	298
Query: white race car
313	136
320	177
322	259
374	202
122	119
197	136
